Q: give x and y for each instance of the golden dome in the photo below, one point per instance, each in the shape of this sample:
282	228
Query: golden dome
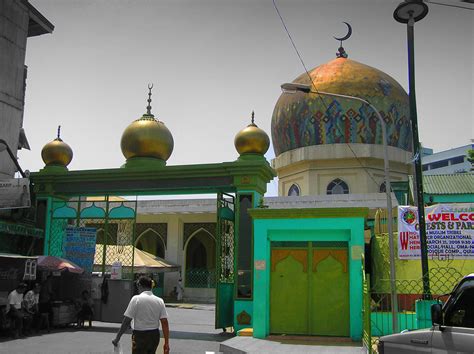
147	137
57	152
307	119
252	140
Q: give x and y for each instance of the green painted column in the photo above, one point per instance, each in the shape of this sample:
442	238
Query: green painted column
47	225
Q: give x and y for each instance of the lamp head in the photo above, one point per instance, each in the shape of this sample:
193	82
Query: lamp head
410	9
291	87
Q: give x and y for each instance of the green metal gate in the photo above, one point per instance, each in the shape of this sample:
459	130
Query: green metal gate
114	222
225	261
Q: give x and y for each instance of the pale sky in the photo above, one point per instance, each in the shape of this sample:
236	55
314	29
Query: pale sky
212	62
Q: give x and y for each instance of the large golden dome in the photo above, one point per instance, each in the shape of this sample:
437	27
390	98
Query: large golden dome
252	140
147	137
307	119
57	152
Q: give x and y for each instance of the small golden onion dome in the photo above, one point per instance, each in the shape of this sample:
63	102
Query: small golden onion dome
252	140
57	152
147	137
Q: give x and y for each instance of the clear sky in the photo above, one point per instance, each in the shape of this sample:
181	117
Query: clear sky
214	61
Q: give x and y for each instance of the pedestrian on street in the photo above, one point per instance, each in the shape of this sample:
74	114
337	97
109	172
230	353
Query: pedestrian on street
145	312
15	309
179	290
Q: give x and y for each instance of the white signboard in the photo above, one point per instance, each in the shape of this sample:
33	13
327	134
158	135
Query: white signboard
449	231
15	193
116	271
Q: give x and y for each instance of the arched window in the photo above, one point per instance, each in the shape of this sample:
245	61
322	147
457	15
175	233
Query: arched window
337	186
294	191
151	242
200	253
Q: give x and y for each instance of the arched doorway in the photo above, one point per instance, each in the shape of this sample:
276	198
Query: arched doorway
200	263
150	241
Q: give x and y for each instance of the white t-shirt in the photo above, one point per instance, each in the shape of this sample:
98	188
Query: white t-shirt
14	300
146	310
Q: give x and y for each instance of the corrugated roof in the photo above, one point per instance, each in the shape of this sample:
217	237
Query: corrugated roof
458	183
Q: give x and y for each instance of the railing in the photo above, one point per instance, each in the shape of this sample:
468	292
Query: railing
200	278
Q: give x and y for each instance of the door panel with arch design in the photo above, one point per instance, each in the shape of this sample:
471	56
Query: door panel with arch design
309	288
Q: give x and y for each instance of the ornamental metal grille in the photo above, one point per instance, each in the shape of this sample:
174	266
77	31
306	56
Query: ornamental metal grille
225	239
114	222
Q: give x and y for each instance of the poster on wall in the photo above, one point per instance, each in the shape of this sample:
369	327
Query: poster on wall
15	193
79	246
449	231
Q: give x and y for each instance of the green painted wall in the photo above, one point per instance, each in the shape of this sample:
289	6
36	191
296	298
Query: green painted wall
306	225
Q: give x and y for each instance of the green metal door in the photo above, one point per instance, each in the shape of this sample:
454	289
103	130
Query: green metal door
330	292
309	290
289	291
225	262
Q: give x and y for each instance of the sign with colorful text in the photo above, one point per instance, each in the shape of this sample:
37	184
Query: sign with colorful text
449	231
79	246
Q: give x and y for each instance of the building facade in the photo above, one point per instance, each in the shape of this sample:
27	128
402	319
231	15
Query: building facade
448	161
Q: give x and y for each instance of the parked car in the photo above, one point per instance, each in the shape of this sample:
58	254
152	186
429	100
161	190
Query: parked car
452	330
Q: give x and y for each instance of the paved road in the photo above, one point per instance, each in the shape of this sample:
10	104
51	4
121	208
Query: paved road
192	331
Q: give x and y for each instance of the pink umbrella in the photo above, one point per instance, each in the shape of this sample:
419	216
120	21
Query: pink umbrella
57	264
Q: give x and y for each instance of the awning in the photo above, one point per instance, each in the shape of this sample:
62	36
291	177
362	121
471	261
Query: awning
143	262
58	264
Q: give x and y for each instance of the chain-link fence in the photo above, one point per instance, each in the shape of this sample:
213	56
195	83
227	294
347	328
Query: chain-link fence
200	278
411	316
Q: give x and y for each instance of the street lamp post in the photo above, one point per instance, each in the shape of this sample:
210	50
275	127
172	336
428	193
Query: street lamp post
292	87
409	12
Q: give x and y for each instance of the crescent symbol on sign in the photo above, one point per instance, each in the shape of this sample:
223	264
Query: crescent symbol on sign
349	33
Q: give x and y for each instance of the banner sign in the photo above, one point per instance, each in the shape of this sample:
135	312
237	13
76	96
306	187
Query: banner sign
79	246
15	193
449	231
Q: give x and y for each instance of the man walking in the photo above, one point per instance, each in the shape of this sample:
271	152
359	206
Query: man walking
145	312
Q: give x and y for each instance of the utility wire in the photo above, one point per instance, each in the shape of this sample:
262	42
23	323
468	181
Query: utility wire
316	90
450	5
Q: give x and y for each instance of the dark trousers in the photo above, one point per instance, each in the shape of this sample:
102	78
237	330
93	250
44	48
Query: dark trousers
145	342
20	319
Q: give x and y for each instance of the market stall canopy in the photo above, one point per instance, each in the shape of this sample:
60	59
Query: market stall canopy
143	262
53	263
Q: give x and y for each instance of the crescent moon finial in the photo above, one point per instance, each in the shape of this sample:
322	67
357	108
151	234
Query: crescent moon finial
348	34
148	108
341	52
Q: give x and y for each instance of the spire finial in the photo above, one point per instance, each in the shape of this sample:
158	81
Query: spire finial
148	108
341	53
59	133
253	117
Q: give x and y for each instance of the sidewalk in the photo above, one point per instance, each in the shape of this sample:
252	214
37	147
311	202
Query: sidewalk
242	345
194	306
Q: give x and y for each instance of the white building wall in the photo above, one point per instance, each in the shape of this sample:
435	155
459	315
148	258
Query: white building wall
446	156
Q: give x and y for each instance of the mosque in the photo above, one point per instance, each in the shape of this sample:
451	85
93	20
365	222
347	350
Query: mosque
252	254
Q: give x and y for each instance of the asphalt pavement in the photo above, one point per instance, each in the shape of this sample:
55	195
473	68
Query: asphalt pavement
192	331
